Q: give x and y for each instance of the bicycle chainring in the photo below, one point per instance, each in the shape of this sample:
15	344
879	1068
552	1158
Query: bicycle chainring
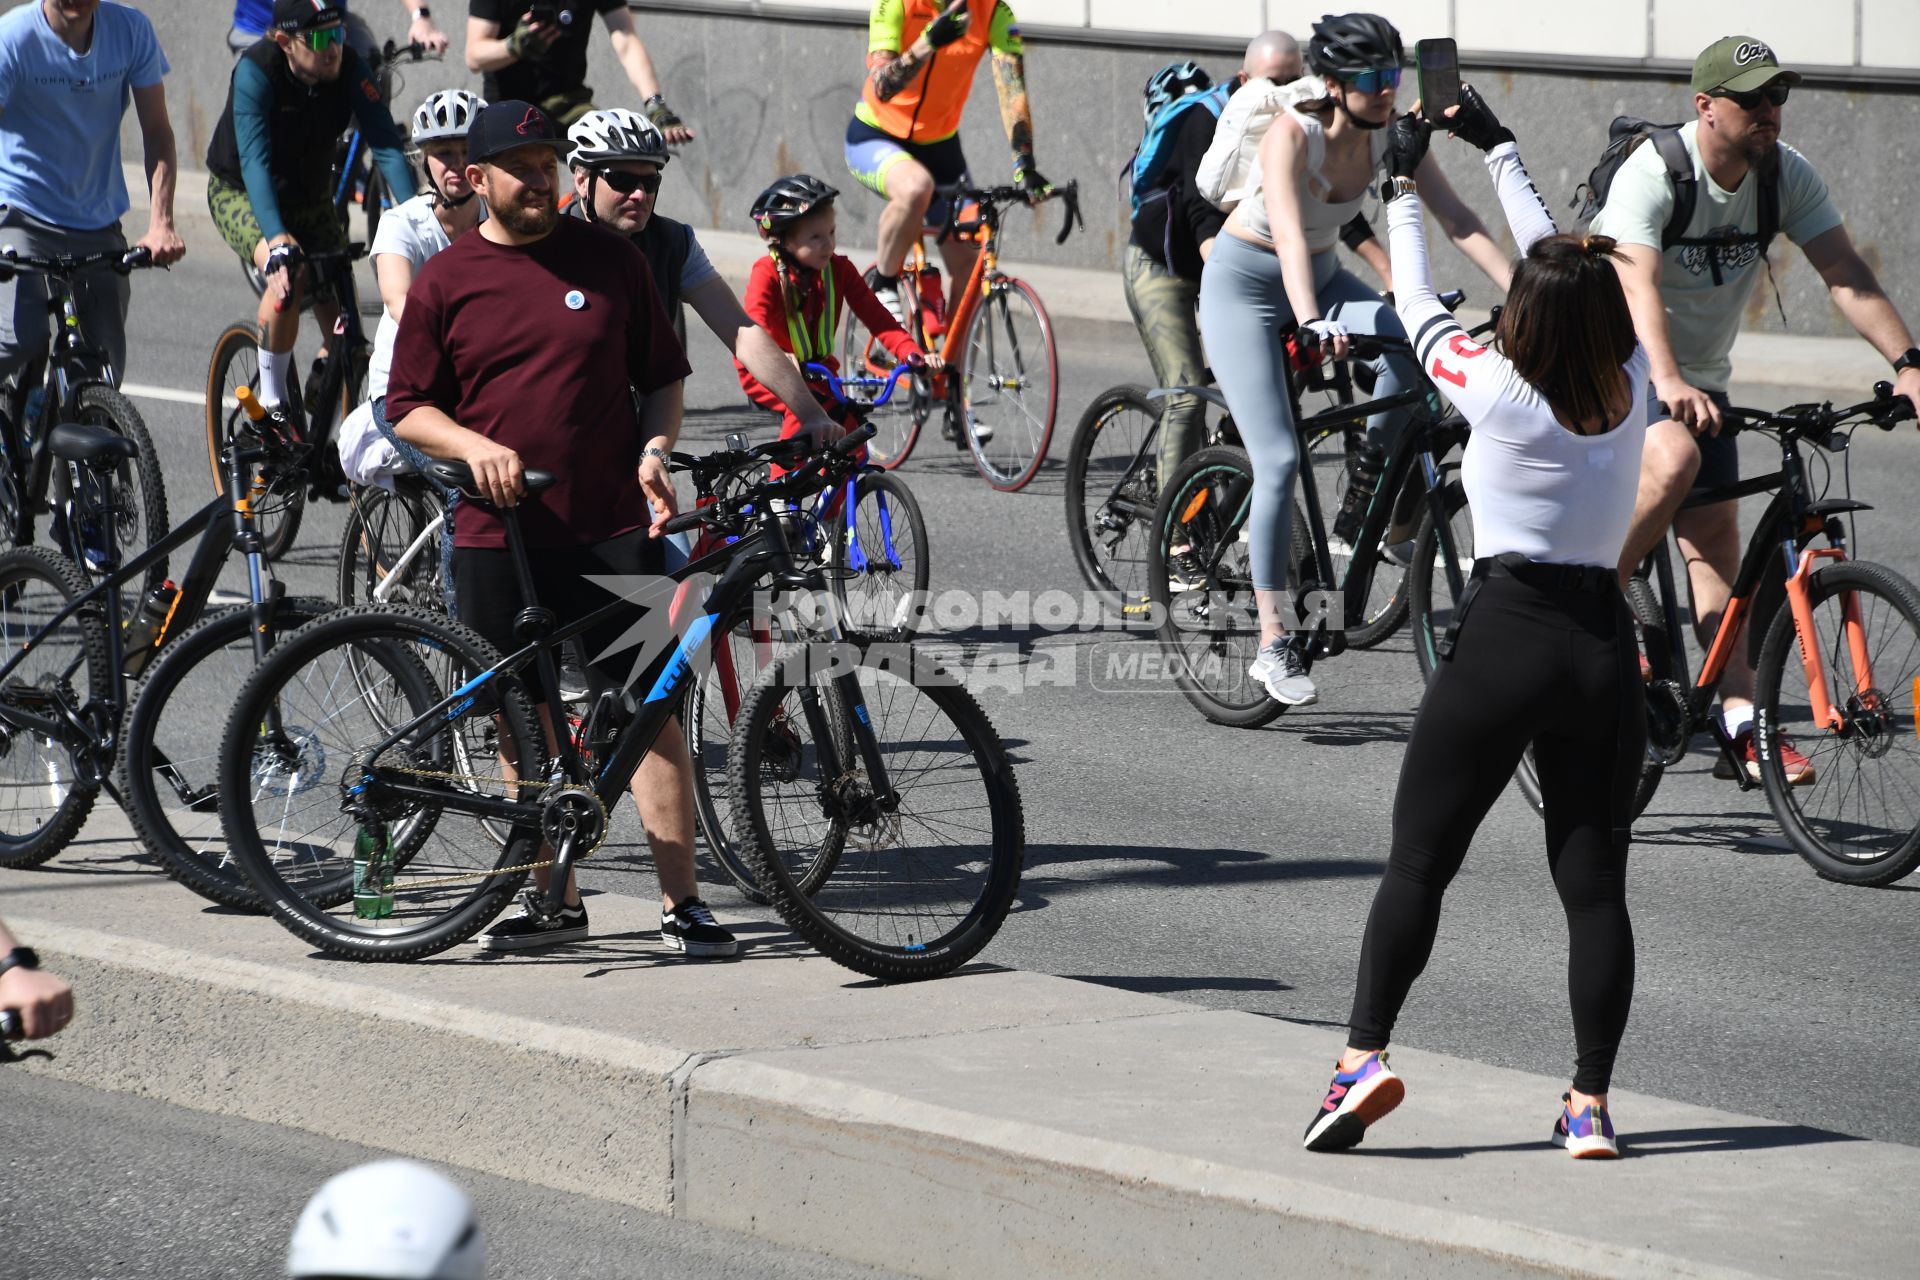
1668	719
572	814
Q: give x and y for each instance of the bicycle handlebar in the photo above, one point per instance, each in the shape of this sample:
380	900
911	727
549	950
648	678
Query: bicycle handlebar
838	385
798	479
413	52
1885	410
120	261
1068	193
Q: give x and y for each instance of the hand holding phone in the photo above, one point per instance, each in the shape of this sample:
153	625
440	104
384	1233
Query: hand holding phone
1439	64
545	14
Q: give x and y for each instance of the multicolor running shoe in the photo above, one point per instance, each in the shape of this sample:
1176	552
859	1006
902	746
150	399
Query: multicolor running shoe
1355	1100
1586	1136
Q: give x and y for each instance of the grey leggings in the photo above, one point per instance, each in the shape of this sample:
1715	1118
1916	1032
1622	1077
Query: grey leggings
1243	308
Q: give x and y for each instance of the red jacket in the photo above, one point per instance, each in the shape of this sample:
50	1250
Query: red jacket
769	310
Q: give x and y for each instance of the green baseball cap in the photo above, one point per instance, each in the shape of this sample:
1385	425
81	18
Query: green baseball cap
1738	64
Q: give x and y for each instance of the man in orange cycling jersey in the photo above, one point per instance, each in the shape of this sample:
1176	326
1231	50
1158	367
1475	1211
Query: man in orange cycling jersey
903	142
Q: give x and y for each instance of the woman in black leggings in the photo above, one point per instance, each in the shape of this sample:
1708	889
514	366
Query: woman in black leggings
1542	650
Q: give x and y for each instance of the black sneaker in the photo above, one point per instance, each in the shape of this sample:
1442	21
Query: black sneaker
1185	572
534	928
691	928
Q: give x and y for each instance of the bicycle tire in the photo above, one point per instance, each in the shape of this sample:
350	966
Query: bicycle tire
306	887
1429	595
1881	719
871	597
185	834
45	681
896	424
144	521
382	525
236	363
1018	448
373	196
708	720
1222	620
1117	423
872	866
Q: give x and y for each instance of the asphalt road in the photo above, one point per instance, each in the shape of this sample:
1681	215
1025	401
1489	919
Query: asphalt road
1233	869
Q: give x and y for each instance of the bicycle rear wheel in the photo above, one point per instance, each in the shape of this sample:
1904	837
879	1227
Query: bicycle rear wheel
384	558
1113	483
44	796
897	891
236	363
140	495
1857	818
1011	383
169	747
877	558
1331	452
301	730
1429	588
896	424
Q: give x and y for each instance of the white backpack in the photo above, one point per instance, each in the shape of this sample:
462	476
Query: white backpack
1230	171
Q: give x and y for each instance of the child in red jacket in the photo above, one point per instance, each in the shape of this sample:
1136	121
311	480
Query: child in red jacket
794	293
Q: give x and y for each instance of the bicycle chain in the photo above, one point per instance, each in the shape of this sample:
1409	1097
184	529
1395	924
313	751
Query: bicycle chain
432	882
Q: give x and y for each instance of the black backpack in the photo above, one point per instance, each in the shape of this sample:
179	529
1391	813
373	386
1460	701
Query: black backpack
1624	136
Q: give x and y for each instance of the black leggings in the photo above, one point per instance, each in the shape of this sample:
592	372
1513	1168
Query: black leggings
1557	669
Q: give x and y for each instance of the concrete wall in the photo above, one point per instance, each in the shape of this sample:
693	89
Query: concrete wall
772	95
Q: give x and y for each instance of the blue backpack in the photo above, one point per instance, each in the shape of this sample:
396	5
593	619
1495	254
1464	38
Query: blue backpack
1147	172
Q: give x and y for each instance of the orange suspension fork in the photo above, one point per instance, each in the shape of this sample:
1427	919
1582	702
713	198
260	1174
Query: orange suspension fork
1824	711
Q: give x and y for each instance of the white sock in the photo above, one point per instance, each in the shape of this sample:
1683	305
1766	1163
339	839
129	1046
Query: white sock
1737	719
273	377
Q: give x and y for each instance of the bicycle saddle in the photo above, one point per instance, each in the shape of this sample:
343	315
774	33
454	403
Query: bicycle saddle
460	476
89	444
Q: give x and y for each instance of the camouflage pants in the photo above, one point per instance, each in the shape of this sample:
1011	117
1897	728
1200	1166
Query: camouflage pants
1163	311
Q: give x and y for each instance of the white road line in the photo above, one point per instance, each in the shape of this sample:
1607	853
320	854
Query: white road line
168	393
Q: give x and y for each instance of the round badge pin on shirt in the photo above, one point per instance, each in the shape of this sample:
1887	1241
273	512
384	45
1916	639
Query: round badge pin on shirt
576	300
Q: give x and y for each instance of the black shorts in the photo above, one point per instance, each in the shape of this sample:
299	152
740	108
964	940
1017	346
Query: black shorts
489	599
872	153
1719	455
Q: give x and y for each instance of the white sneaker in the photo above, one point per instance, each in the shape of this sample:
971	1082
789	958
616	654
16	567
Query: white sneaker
1280	667
889	296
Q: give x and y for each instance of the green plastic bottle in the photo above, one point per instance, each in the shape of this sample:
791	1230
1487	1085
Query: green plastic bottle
372	874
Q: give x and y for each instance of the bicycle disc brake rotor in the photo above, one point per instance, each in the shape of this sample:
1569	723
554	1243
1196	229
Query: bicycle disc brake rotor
868	826
1666	721
1870	726
288	762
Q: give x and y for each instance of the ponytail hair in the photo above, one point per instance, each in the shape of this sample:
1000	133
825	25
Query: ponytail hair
1567	329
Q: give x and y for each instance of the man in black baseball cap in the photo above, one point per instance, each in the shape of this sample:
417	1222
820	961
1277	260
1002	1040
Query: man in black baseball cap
513	151
295	16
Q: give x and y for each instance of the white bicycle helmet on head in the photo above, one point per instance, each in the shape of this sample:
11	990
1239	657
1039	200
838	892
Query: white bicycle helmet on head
600	137
446	114
389	1220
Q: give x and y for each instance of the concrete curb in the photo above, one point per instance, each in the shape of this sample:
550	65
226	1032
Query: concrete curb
1010	1124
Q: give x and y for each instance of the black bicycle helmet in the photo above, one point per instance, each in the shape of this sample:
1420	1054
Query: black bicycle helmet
1171	83
1348	43
789	199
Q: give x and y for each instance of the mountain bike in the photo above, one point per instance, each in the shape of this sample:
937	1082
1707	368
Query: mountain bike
1001	386
75	382
71	724
315	470
1210	628
1835	645
877	805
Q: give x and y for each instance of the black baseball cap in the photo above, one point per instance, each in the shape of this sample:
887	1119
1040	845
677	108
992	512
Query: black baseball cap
307	15
501	126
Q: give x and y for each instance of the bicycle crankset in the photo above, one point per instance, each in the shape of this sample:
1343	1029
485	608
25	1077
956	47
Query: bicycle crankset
1667	720
572	814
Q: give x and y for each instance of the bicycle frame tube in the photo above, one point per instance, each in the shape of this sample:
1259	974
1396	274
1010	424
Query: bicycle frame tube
1825	713
986	264
428	536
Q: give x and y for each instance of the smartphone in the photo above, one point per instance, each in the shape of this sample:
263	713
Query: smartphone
1439	63
550	14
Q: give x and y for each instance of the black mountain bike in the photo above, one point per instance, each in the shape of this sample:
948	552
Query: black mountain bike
397	750
76	383
314	470
70	724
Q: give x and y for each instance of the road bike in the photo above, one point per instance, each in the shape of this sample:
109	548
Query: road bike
315	470
877	805
1835	646
76	382
1210	627
71	723
1001	386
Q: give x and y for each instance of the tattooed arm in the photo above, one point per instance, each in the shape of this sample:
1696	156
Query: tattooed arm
1010	82
889	70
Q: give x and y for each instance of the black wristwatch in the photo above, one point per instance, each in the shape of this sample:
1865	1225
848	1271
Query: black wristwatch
421	11
1909	359
19	958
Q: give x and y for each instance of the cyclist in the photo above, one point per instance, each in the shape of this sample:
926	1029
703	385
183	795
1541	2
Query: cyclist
539	310
1687	302
903	142
616	160
67	69
1542	650
1273	268
538	52
44	1002
388	1220
270	166
252	18
794	293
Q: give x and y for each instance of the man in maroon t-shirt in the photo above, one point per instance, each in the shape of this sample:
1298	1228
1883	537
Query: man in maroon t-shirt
521	346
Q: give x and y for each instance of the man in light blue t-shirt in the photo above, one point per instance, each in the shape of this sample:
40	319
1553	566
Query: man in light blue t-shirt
1687	301
68	69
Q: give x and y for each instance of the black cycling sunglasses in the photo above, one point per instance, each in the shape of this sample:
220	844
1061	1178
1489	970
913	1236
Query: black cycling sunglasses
626	182
1774	93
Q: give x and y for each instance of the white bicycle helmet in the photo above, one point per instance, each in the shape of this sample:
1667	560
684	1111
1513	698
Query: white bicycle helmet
446	114
615	134
389	1220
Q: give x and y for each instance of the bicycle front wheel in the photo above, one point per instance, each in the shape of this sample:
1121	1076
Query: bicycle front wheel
1854	815
44	796
236	363
308	723
899	883
877	560
896	424
169	747
1113	483
1010	386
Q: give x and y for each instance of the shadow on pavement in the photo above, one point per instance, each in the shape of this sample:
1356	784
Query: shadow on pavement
1174	867
1659	1142
1150	985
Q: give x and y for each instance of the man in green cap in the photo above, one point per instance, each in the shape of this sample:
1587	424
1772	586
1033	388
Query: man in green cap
1688	285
